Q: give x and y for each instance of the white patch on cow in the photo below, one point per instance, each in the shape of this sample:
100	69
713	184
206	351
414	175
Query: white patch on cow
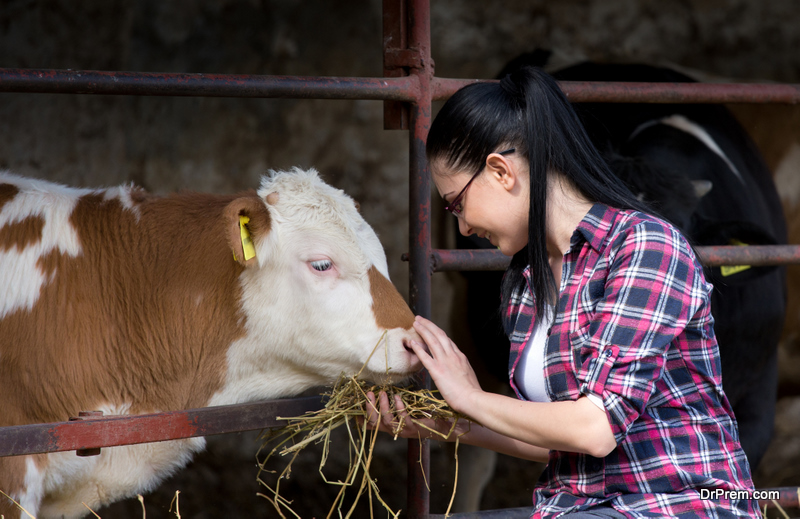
123	194
20	277
117	473
21	280
680	122
30	498
304	328
786	176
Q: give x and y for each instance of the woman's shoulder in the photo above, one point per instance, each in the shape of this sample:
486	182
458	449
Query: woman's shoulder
641	230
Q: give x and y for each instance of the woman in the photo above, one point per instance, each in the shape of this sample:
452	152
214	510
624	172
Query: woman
613	354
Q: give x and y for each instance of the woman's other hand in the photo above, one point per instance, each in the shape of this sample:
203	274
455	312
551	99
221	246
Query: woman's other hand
381	416
447	365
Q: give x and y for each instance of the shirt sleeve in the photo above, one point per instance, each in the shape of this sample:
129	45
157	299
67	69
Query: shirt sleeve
653	287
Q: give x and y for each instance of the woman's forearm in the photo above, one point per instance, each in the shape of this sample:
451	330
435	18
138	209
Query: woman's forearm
575	426
481	436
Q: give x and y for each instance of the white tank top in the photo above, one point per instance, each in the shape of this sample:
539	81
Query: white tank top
529	374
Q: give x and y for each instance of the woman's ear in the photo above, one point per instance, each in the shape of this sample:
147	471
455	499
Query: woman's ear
503	170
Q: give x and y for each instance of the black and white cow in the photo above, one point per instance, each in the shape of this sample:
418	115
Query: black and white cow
698	168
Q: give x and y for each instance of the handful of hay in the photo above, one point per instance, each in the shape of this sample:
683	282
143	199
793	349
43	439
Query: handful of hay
347	404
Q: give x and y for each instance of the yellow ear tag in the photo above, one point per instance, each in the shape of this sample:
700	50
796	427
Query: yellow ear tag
729	270
247	242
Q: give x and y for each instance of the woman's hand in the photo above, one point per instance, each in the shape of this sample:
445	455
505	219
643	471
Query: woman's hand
454	378
381	416
447	365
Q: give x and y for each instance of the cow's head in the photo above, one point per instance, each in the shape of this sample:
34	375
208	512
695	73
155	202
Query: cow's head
316	289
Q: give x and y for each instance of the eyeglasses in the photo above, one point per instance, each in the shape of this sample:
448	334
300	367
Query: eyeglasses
456	206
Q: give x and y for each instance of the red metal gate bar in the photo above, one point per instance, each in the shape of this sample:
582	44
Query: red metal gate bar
419	39
393	89
754	255
623	92
113	431
398	59
41	81
506	513
711	256
788	499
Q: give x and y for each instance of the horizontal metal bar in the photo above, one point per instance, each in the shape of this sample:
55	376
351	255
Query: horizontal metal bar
127	430
788	499
711	256
394	89
506	513
206	85
624	92
753	255
468	259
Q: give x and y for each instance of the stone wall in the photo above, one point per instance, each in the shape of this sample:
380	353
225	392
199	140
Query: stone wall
224	145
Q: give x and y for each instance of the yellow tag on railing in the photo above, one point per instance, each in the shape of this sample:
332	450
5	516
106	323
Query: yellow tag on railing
247	242
729	270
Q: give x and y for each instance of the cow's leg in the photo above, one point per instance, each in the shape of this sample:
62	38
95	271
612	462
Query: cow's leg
13	478
755	413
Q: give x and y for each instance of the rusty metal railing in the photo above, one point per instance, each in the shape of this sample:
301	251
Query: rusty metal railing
712	256
88	434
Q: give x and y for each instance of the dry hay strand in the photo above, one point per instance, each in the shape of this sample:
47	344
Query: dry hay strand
347	406
92	512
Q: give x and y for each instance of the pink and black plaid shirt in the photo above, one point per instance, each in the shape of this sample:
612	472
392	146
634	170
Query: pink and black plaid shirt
633	326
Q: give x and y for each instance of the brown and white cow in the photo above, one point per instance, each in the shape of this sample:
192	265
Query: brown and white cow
129	303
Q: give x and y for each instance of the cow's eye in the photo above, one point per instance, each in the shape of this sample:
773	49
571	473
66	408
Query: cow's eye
321	265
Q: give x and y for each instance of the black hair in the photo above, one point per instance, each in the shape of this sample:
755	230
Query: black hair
528	111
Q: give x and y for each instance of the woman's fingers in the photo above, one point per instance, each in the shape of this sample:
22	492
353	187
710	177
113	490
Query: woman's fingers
373	413
380	414
437	340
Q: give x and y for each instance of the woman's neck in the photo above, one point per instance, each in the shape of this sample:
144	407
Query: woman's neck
566	207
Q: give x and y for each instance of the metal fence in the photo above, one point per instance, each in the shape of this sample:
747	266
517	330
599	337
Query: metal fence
408	89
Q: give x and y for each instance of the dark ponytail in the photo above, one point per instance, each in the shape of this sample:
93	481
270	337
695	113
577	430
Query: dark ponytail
528	111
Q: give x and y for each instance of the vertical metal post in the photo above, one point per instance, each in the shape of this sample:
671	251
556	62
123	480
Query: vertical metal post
420	228
397	59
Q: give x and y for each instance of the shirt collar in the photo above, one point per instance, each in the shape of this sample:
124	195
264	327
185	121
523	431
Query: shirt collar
595	226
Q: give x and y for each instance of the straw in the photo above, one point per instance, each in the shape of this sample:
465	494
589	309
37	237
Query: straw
347	406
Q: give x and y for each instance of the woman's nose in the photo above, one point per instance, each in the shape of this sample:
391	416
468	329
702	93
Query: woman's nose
463	228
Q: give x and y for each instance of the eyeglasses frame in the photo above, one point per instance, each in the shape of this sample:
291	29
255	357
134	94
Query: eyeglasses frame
452	206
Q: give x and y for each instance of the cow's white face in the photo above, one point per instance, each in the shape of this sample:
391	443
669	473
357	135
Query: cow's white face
317	295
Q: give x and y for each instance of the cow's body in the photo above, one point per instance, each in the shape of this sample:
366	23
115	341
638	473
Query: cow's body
119	301
665	153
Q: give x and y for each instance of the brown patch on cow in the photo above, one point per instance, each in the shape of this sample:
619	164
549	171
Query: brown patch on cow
139	195
12	481
143	316
390	310
7	193
21	234
253	208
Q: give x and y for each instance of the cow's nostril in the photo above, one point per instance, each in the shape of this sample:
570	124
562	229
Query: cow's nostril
407	346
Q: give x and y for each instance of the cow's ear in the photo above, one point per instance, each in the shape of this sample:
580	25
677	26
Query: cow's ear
246	222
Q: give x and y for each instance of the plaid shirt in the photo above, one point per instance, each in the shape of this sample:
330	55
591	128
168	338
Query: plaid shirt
633	326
